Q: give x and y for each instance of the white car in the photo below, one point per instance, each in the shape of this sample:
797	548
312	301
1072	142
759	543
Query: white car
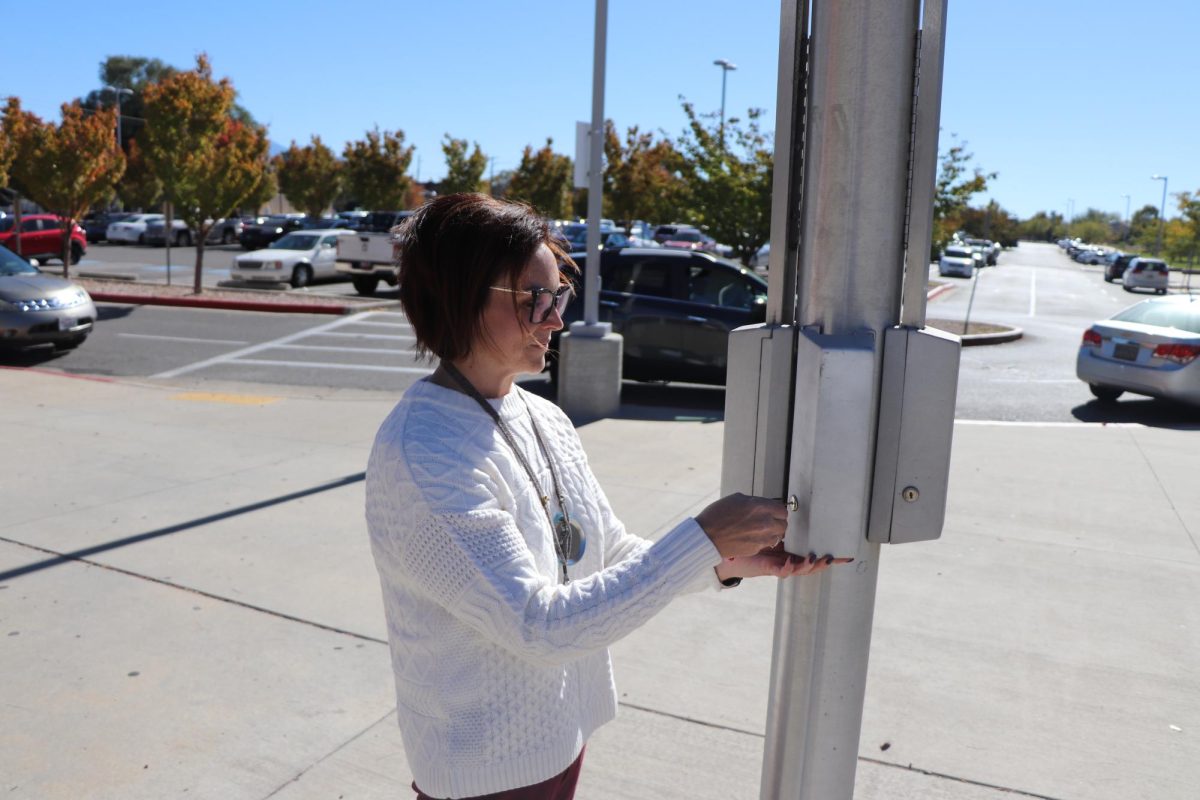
296	258
131	229
1146	273
1151	348
959	260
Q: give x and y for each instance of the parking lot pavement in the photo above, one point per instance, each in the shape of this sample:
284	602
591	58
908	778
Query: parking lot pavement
189	603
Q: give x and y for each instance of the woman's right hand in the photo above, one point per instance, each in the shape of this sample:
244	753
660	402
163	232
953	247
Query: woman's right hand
741	525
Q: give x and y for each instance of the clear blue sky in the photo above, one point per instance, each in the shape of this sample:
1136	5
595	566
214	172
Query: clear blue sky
1064	99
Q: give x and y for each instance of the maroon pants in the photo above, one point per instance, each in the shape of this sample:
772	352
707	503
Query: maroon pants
560	787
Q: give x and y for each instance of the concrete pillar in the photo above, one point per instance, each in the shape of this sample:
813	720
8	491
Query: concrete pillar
589	371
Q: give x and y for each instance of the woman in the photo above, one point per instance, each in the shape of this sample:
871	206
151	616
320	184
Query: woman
505	573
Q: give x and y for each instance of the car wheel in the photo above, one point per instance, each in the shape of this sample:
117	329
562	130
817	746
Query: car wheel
301	275
1107	279
1162	291
227	237
76	252
1105	394
365	284
183	239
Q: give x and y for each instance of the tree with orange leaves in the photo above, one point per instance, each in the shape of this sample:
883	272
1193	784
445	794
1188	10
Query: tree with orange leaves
67	168
208	162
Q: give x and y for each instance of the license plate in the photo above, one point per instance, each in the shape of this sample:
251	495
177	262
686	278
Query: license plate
65	323
1126	352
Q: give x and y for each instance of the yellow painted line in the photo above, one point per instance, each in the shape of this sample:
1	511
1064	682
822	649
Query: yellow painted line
221	397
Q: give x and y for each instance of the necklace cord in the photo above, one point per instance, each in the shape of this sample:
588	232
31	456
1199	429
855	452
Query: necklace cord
470	390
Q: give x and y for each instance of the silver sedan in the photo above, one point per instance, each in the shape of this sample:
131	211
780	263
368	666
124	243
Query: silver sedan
1152	348
39	310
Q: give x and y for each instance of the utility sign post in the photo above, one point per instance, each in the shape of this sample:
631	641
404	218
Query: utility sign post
842	403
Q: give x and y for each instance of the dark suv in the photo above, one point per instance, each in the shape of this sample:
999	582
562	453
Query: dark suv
258	236
1117	268
675	310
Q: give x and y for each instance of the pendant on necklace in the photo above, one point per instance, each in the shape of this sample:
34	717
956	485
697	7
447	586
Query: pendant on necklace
572	543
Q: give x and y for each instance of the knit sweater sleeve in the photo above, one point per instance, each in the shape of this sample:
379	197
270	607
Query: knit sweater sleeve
445	522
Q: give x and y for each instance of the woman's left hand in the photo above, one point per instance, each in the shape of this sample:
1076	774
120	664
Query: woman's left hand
775	561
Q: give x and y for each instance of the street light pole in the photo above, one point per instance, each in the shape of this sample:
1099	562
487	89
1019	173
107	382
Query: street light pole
726	65
1126	215
1070	214
1162	213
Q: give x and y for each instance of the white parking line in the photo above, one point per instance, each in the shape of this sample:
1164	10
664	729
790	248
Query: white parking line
327	349
237	354
384	324
390	336
179	338
1033	293
262	362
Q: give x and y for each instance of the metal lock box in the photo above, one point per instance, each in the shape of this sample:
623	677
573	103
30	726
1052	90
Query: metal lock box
916	424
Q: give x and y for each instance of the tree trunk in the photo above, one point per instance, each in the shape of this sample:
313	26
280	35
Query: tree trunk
68	225
201	235
17	223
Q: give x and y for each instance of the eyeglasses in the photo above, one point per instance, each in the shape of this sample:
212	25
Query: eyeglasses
544	301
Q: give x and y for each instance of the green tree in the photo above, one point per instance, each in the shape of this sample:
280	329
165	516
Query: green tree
208	162
642	179
310	176
1097	227
1043	227
957	183
728	179
1143	228
138	188
8	152
376	170
135	73
69	167
464	173
543	179
1181	239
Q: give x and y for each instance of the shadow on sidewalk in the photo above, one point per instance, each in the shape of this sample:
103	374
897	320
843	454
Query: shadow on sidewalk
1152	413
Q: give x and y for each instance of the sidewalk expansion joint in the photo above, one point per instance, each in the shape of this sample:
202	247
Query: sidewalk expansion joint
876	761
956	779
62	558
328	755
1166	495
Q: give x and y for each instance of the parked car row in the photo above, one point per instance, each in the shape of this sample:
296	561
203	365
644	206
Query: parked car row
1133	270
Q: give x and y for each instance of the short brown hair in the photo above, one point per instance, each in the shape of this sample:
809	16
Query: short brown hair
451	251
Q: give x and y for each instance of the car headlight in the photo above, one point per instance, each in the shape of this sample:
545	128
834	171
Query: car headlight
68	298
276	265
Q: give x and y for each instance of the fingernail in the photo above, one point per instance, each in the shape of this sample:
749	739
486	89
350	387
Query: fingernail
828	560
812	558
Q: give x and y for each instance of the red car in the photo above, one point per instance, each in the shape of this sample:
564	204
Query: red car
41	237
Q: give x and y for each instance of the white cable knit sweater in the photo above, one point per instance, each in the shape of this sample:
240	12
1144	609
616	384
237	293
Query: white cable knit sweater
502	673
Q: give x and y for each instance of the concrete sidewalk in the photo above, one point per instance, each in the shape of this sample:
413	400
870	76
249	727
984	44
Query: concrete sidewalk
215	627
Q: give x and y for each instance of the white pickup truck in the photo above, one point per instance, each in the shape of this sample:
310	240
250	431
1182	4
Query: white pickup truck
368	257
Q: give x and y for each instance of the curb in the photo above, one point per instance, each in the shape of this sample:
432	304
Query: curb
939	290
234	305
971	339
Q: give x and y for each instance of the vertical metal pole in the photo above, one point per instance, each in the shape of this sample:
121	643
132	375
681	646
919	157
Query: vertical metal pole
724	75
591	292
851	254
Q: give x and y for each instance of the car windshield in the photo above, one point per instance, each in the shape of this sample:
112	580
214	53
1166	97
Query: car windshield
957	252
13	264
296	241
686	236
7	223
1183	316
